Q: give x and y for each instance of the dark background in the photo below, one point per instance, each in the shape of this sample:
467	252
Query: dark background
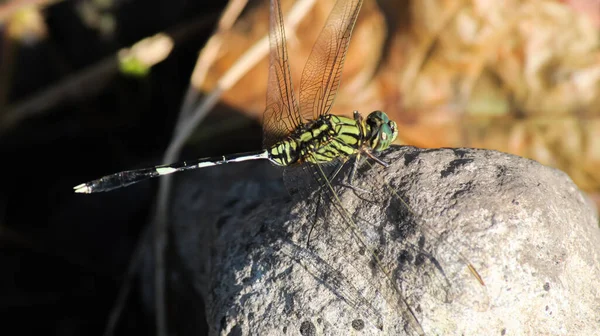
63	255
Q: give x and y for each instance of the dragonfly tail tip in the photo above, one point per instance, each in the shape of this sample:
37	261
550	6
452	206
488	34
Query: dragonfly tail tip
82	189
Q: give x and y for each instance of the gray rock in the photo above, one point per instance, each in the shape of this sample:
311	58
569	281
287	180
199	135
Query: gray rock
241	243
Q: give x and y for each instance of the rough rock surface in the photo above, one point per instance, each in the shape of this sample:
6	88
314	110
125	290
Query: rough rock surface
241	243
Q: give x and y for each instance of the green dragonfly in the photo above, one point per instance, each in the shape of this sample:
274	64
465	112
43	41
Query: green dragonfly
303	136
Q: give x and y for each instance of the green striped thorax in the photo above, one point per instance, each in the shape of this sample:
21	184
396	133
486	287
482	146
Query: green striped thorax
331	137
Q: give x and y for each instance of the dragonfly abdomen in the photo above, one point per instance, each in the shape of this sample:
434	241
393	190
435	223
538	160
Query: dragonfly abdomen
320	141
285	152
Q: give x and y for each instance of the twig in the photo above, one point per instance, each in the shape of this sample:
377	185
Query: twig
72	87
209	53
207	57
179	35
125	288
85	82
188	123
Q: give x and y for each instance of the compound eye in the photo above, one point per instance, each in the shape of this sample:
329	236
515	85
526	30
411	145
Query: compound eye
394	130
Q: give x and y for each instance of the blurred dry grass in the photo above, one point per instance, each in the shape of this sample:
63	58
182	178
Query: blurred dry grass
517	76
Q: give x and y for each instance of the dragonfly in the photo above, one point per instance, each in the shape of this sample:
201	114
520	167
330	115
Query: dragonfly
294	133
301	134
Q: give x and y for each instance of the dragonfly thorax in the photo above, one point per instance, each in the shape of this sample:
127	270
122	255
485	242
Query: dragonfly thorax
331	137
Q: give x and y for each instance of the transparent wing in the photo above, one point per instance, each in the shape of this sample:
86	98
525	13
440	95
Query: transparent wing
307	182
281	114
322	72
301	180
428	264
388	261
362	279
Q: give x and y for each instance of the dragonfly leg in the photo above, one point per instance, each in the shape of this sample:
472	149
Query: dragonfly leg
376	159
357	160
338	169
329	178
315	220
349	183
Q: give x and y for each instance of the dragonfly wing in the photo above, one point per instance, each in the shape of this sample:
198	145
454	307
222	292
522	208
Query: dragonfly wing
365	282
322	72
302	180
281	114
425	260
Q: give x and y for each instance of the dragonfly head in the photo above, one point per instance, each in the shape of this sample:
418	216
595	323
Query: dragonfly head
383	130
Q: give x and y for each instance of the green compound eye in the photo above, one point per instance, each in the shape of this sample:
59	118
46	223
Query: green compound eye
383	130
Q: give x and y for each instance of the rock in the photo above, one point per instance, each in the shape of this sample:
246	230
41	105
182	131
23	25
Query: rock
242	244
